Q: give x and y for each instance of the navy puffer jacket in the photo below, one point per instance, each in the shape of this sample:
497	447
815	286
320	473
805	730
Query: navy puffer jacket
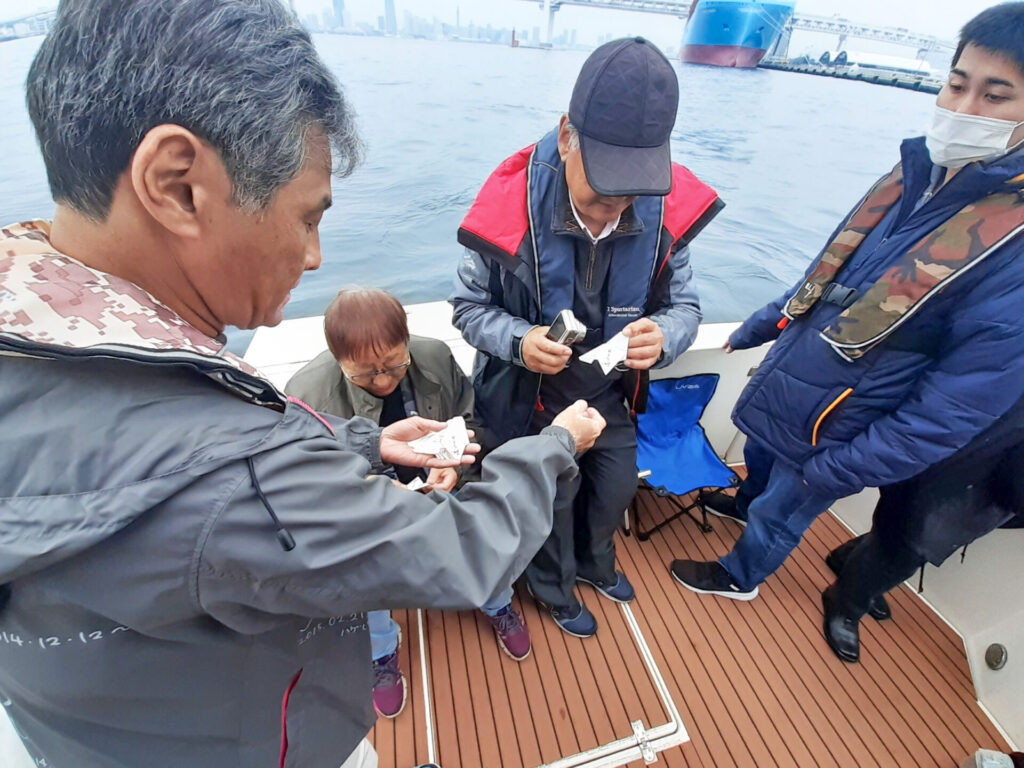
947	374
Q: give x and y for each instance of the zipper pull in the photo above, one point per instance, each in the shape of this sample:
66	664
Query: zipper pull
781	325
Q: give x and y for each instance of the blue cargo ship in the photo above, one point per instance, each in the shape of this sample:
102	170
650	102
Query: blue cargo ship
733	33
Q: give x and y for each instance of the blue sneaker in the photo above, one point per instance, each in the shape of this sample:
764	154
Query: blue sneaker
620	590
574	620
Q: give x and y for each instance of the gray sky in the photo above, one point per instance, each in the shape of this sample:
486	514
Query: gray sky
942	18
936	17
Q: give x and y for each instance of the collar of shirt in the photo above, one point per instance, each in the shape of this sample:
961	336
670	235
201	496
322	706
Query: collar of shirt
935	181
608	228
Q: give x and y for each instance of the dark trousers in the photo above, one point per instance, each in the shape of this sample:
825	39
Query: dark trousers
874	565
588	511
922	520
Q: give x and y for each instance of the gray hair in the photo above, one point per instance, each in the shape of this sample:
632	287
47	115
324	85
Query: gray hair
574	136
240	74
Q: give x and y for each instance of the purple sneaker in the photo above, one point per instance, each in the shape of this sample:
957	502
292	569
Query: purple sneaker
388	686
513	636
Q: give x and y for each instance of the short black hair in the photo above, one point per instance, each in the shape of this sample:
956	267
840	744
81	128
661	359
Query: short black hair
999	30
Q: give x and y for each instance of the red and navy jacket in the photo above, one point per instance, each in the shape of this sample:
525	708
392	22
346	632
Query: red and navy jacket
517	273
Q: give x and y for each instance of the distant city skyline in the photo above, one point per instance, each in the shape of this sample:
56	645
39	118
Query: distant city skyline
942	18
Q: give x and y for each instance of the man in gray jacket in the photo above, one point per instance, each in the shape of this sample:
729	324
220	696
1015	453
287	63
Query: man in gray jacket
186	555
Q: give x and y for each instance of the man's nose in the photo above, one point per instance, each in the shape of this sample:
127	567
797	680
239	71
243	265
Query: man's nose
970	104
313	258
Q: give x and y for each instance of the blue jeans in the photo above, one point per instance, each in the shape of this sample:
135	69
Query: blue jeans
384	631
780	507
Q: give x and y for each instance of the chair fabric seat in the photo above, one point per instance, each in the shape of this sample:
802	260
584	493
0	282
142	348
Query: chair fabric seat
671	442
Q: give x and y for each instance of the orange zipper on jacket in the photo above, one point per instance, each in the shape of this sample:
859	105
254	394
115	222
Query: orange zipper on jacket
832	406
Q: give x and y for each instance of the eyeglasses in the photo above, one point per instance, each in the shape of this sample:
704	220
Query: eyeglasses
393	372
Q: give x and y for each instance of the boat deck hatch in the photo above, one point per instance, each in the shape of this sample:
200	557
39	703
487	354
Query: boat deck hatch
689	680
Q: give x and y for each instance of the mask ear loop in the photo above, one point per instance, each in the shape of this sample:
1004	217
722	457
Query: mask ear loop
1009	150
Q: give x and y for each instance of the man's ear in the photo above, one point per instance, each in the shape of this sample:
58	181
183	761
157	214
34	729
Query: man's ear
563	138
170	172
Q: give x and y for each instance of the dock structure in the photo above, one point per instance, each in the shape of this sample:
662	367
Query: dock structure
905	80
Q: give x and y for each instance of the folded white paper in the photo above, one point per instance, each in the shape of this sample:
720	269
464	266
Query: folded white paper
609	354
446	444
415	484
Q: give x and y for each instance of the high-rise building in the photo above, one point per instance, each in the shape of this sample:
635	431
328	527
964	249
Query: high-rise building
391	23
339	12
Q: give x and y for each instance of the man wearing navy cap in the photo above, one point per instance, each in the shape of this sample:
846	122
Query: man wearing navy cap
594	218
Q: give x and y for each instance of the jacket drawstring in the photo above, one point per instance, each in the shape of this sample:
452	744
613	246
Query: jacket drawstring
284	536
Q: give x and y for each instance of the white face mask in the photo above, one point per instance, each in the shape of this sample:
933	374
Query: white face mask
956	139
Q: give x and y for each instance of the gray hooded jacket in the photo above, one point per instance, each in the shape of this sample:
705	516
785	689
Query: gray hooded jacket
151	615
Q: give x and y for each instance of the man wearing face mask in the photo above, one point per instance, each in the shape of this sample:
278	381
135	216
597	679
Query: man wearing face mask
904	340
593	218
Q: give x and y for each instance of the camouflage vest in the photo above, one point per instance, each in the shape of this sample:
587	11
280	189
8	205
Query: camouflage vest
937	259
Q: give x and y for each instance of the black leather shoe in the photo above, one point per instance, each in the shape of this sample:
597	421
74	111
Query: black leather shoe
836	559
841	632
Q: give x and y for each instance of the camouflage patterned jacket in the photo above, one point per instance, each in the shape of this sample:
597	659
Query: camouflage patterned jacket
942	376
149	614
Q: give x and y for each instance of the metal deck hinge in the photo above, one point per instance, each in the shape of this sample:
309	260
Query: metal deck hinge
646	751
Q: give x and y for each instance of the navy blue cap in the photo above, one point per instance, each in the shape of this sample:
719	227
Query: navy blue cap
624	106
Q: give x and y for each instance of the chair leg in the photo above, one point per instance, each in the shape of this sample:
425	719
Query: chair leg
681	510
704	525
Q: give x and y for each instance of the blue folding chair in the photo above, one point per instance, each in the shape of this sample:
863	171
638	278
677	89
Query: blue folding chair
673	456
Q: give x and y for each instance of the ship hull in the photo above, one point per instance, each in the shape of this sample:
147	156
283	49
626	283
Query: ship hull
733	33
722	55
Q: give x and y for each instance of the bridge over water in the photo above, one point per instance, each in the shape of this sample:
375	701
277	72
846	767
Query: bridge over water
841	28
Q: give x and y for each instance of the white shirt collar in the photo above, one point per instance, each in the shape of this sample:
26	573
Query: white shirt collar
608	228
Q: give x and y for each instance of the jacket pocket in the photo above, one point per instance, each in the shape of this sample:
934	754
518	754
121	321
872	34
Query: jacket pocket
830	404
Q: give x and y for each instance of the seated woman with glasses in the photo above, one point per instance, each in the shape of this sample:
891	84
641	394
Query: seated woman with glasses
375	369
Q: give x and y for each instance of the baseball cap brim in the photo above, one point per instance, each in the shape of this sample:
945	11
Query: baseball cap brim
616	171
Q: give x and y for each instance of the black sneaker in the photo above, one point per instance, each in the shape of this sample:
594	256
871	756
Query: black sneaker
722	504
708	579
